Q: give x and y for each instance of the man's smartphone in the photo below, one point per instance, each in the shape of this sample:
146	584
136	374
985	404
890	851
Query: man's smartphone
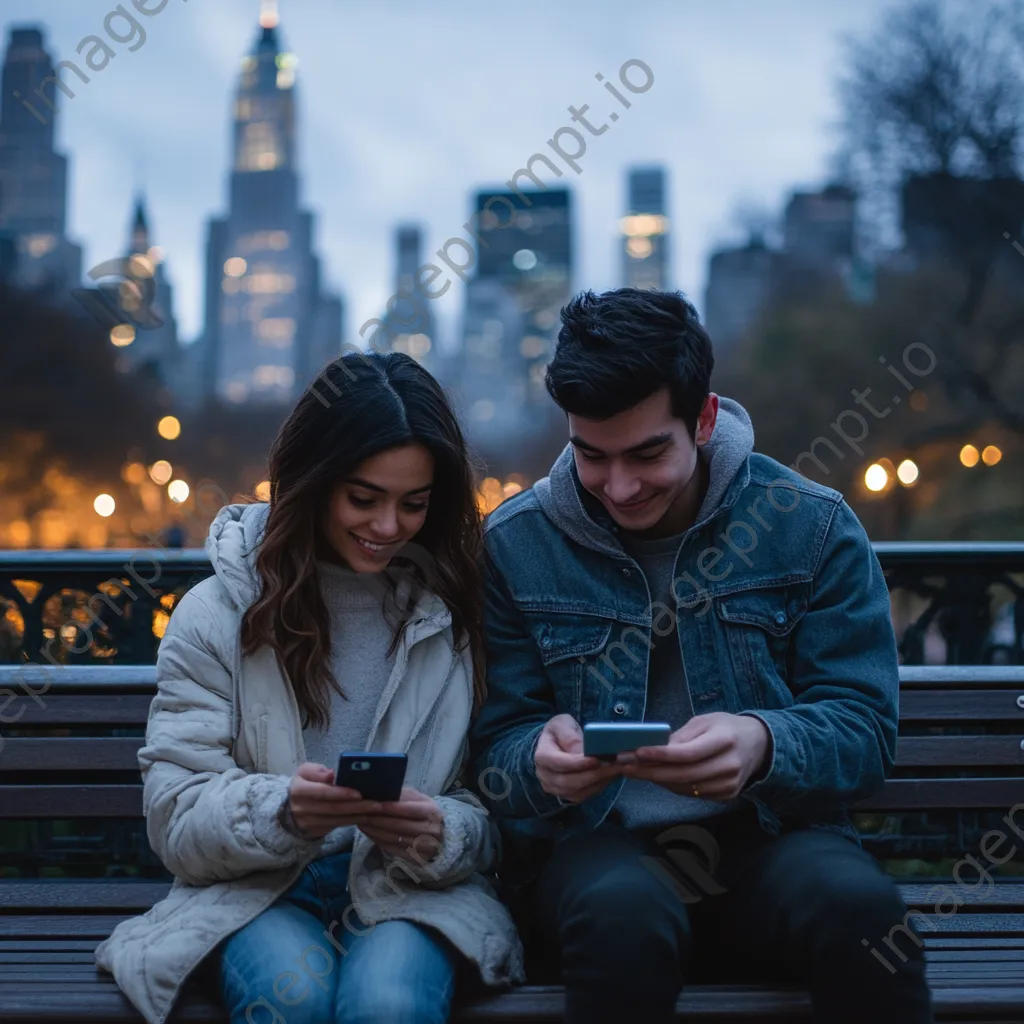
606	739
377	776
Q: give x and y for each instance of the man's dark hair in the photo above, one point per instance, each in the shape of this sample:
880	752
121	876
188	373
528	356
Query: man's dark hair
618	348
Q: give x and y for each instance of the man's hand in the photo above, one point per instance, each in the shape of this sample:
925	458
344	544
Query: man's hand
712	756
561	766
411	828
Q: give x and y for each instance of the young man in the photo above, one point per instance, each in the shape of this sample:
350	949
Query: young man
665	572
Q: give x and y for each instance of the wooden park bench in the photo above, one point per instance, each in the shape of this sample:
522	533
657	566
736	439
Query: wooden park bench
49	927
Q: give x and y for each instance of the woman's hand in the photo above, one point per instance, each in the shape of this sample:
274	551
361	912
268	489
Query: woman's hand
411	828
318	806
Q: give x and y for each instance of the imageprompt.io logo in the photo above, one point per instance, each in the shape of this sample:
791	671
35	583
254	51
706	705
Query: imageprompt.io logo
124	294
690	855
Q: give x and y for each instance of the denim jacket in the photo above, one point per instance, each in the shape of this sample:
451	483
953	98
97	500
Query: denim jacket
782	611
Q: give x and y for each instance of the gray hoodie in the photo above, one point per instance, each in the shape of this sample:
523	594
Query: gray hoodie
582	518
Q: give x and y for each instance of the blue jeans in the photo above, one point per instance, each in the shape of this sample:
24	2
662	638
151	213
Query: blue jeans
284	968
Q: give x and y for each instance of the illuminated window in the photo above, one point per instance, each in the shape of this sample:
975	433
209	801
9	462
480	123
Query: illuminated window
639	248
276	332
268	283
243	110
273	377
262	241
260	149
235	266
38	245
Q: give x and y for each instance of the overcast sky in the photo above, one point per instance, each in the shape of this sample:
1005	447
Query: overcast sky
406	106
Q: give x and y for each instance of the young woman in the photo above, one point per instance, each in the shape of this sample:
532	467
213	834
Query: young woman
343	615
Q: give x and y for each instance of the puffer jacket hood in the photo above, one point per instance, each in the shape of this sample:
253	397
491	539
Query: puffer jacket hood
232	543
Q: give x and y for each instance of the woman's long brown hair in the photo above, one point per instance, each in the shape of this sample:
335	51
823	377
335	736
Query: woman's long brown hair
359	406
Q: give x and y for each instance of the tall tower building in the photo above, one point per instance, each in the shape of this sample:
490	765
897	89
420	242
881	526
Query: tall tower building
155	342
269	325
410	325
645	236
33	177
511	315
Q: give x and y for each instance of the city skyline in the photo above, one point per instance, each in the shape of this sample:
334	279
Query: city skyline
430	177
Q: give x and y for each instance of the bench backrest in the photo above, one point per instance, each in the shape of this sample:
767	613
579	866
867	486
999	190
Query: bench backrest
976	768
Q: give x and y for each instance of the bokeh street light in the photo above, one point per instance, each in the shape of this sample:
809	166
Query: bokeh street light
177	491
160	472
991	455
104	505
169	428
907	472
876	477
969	455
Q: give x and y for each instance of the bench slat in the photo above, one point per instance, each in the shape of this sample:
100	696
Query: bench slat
944	794
71	753
959	751
959	705
120	753
71	801
72	894
99	801
43	1001
130	709
133	894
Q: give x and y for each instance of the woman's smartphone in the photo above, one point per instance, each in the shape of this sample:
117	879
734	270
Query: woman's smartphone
606	739
377	776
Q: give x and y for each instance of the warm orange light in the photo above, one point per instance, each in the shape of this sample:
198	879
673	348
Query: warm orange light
122	335
133	473
991	455
169	428
969	455
160	472
263	490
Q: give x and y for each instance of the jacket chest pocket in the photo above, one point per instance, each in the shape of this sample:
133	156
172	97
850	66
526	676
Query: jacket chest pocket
567	644
756	627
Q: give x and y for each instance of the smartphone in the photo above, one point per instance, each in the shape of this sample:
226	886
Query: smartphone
377	776
606	739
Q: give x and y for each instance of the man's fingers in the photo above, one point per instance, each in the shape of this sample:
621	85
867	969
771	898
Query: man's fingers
560	762
705	746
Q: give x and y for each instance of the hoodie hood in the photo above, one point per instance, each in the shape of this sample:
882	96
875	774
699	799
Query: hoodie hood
232	543
582	518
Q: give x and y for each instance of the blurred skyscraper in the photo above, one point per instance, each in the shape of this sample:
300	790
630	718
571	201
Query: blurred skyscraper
645	235
269	323
409	325
156	346
818	249
33	176
510	321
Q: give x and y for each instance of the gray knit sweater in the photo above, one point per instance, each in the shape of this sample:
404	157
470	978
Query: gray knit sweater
360	638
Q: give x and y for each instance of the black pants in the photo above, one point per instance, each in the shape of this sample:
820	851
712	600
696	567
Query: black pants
786	910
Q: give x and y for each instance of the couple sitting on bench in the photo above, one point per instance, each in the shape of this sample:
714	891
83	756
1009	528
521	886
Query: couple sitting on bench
662	572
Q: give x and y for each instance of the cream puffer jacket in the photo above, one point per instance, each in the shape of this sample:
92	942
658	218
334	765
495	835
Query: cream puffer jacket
224	738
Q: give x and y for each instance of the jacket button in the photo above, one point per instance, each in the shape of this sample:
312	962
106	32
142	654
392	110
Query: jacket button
780	618
626	572
620	708
546	642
